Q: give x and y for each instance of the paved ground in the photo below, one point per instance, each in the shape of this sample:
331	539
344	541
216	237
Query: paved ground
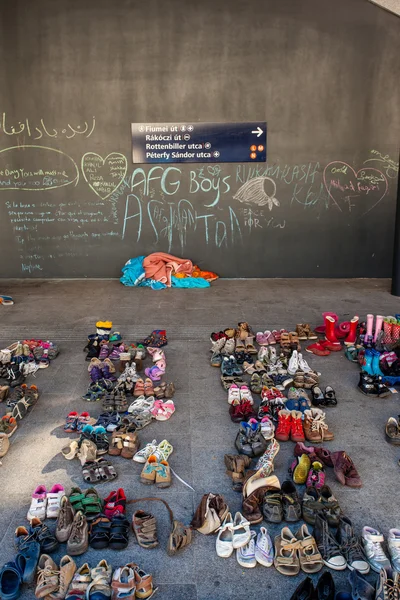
200	430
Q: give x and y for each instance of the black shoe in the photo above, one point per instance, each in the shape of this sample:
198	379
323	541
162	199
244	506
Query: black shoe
367	386
351	547
304	591
392	431
327	545
325	589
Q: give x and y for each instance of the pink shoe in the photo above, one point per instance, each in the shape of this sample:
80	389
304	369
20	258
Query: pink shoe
269	337
165	411
316	475
260	339
300	449
156	407
38	504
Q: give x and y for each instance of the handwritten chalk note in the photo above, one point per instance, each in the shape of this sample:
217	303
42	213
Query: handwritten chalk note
104	175
356	191
37	168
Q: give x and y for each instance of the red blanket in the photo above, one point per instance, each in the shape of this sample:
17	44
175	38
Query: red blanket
160	266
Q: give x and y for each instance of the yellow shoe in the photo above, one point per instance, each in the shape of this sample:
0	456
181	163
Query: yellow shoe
104	324
300	468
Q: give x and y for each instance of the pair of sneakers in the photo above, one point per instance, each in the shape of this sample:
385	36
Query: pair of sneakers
162	451
237	394
46	504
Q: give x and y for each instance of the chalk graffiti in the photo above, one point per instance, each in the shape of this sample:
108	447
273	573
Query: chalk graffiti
253	192
200	182
390	166
346	186
25	126
104	175
24	176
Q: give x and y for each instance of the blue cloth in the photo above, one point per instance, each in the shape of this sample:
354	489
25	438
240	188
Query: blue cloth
189	282
153	283
133	272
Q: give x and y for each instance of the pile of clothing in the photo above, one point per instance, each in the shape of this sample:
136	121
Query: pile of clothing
160	270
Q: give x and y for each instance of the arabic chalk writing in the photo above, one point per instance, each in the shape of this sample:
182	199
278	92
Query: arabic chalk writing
104	175
37	133
29	172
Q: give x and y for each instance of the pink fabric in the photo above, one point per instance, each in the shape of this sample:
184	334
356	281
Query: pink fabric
160	266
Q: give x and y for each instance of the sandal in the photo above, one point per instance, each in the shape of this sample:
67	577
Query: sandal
309	557
148	387
330	396
294	341
139	388
285	339
169	390
248	368
71	422
250	347
92	504
119	533
145	529
76	496
90	472
240	347
286	560
99	533
256	383
159	391
260	368
107	471
139	421
130	445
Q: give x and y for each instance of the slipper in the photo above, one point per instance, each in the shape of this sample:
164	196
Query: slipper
69	452
6	300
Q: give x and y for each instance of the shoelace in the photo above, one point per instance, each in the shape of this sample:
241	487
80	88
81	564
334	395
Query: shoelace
328	548
391	590
352	549
76	533
378	550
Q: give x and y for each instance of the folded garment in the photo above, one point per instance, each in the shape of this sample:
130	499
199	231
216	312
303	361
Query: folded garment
160	266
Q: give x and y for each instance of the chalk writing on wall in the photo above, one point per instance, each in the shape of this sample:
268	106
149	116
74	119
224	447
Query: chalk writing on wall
253	192
360	190
37	130
37	168
387	164
104	175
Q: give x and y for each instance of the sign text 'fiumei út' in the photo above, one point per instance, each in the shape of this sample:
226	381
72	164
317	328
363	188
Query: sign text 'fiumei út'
199	142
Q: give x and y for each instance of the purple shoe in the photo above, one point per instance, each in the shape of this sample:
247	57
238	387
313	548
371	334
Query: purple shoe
316	475
154	373
95	374
114	354
104	351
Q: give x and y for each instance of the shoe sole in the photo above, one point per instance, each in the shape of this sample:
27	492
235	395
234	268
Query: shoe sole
336	567
264	563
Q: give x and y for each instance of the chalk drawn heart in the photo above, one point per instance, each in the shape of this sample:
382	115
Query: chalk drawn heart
214	170
345	185
104	175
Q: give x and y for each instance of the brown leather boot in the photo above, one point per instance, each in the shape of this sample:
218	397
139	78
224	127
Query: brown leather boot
251	506
345	470
236	464
311	431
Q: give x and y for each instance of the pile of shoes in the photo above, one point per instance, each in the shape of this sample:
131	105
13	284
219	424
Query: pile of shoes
343	466
20	400
21	359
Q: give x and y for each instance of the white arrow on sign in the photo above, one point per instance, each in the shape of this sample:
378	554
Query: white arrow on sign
258	131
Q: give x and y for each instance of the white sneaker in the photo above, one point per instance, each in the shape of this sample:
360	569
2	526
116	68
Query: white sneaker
38	504
142	455
163	450
372	542
263	351
394	547
293	363
224	543
234	394
245	394
245	555
54	497
264	552
141	404
303	365
267	428
241	531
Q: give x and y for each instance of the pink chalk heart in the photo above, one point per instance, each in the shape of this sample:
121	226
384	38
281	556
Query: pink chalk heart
359	190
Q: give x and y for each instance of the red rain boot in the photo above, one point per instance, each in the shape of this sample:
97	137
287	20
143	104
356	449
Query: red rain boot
330	330
351	338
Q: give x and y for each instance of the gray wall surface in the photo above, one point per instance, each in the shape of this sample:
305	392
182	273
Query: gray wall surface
324	75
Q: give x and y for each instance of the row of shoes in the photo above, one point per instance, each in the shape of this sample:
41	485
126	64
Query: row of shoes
19	402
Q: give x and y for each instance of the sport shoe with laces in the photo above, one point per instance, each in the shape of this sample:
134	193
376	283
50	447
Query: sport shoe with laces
246	555
264	549
282	432
65	576
372	542
351	547
296	427
388	585
327	545
142	455
64	520
394	547
47	577
78	541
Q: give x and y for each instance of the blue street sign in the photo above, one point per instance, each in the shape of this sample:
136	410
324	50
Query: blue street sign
199	142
